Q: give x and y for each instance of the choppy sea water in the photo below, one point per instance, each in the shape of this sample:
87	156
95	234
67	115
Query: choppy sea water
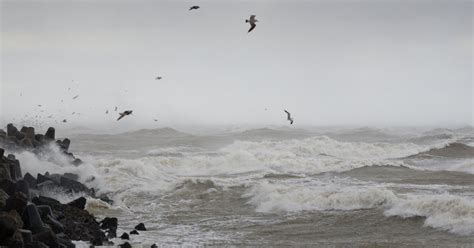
281	187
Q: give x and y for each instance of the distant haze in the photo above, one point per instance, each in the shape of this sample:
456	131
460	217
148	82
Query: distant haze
327	62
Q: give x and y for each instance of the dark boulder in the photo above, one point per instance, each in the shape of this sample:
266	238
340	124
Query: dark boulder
11	130
27	236
2	152
140	227
77	162
32	220
36	244
78	203
20	135
71	176
50	134
73	186
8	186
41	179
30	133
44	210
3	198
43	200
110	224
125	245
54	224
5	171
125	236
39	137
134	232
7	227
154	246
15	169
27	143
47	237
30	180
22	186
17	202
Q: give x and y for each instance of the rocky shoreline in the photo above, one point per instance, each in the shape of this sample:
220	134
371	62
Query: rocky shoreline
28	219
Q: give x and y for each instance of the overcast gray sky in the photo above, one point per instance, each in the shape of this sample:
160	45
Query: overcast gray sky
327	62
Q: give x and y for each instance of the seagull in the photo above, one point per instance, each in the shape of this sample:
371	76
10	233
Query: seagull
158	78
125	113
194	7
252	22
73	113
115	108
107	111
155	120
289	117
39	105
64	120
75	97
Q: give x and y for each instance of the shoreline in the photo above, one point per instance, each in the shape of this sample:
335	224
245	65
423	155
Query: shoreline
30	219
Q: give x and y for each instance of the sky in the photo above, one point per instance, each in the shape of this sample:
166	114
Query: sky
327	62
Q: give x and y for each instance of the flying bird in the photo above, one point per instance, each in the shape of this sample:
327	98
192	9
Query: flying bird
39	105
252	21
115	108
288	117
107	111
194	7
158	78
64	120
155	120
75	97
125	113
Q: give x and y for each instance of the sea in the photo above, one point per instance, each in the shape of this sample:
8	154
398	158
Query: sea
278	186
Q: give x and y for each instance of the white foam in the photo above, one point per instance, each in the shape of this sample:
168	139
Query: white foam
443	211
453	213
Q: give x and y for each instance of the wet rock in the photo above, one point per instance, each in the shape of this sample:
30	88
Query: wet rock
41	179
64	144
27	236
39	138
54	224
44	210
30	133
17	202
20	135
2	152
110	224
8	226
154	246
66	243
11	130
22	186
71	176
50	134
105	198
74	186
78	224
42	200
47	237
125	236
77	162
36	244
30	180
16	216
26	143
134	232
5	172
140	227
3	198
8	186
78	203
125	245
15	169
32	220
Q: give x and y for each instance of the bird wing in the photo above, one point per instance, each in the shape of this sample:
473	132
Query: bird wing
291	122
121	116
288	115
252	18
252	26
